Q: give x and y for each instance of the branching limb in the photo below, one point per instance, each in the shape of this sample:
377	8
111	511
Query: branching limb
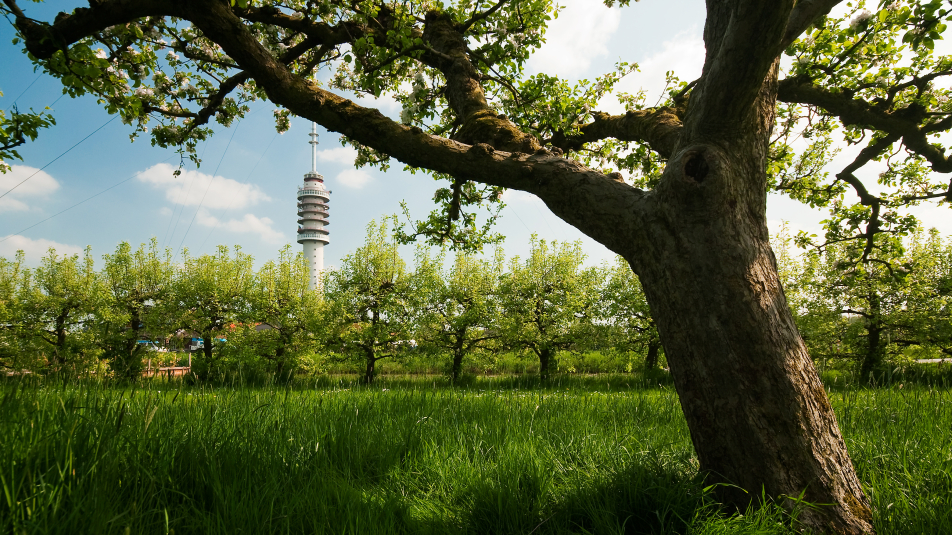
742	39
483	15
851	111
659	128
805	13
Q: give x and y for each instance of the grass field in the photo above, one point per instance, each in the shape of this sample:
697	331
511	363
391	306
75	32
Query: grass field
581	455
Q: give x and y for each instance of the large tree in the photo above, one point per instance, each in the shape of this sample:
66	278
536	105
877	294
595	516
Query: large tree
374	302
697	238
135	281
206	296
547	301
459	305
56	304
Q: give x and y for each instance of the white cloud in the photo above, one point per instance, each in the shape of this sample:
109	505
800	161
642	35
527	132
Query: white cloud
353	178
34	250
341	155
165	210
190	188
263	227
684	55
579	34
39	186
386	103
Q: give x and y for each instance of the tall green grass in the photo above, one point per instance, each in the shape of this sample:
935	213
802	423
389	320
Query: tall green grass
580	455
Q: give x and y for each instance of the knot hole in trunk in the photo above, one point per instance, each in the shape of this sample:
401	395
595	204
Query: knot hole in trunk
695	167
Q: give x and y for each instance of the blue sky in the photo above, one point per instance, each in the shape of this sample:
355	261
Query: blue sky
251	199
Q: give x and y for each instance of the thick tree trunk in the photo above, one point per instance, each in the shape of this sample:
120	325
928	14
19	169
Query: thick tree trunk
759	417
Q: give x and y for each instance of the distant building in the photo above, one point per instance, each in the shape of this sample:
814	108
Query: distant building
312	208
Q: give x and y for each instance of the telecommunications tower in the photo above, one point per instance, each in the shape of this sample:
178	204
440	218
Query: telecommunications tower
312	206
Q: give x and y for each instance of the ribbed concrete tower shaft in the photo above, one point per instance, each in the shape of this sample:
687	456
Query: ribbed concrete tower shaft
312	205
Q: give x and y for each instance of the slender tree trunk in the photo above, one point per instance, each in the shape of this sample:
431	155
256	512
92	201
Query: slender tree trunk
651	360
279	362
207	346
875	352
130	366
369	369
59	347
458	357
545	362
457	365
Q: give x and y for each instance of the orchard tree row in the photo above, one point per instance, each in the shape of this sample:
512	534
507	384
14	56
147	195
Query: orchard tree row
892	307
66	316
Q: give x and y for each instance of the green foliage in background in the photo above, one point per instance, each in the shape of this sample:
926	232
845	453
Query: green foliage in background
463	315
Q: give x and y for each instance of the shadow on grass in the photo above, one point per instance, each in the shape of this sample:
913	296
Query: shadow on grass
638	499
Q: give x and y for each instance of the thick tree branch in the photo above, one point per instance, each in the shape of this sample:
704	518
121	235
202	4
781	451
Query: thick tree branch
742	39
542	173
865	156
563	184
464	93
43	40
851	111
659	128
805	13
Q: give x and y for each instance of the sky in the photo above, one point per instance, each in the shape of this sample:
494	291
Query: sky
97	188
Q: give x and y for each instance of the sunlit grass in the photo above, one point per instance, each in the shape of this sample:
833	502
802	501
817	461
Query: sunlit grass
586	455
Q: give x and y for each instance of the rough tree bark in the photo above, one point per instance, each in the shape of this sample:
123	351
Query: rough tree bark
758	415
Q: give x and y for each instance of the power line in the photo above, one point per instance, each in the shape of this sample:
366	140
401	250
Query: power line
24	91
210	180
60	156
181	203
228	210
79	203
513	210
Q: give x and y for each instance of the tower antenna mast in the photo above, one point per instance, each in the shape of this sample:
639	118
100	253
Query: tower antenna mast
312	209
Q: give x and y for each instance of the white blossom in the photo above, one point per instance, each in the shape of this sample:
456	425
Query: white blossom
144	92
100	53
172	56
860	18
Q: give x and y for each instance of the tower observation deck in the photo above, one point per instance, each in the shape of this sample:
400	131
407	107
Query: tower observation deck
312	209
